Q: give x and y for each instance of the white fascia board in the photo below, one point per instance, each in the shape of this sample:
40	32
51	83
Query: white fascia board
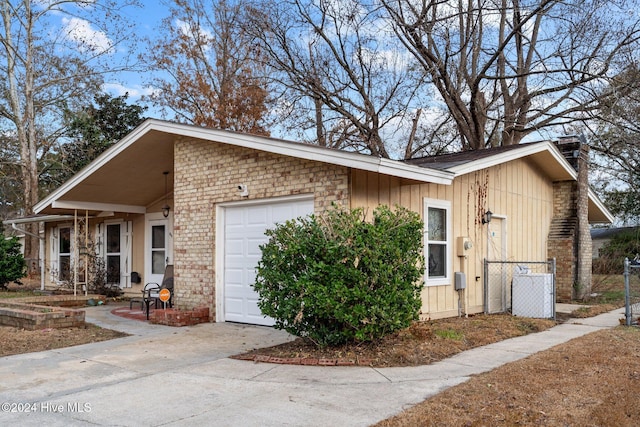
99	161
271	145
497	159
91	206
311	152
43	218
404	170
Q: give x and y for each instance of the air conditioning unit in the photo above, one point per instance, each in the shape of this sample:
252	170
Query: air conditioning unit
532	295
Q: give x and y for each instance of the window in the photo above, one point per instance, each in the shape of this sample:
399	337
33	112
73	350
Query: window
64	253
437	223
158	249
113	255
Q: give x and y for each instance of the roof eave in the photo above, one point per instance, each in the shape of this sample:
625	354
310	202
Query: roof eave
528	150
271	145
41	218
102	159
607	217
311	152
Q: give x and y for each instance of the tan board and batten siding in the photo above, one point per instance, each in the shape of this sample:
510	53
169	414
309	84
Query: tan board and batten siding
516	191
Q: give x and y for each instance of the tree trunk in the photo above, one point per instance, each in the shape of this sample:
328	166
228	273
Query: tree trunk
25	126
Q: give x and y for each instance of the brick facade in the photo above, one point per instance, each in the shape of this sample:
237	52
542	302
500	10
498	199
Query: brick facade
584	244
569	237
207	174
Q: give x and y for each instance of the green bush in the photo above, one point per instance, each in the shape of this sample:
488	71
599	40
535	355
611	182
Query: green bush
622	245
12	263
337	278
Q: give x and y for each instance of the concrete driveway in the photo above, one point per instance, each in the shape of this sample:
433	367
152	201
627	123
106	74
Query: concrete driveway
181	376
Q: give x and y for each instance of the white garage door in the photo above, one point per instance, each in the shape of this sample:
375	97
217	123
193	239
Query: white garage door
243	234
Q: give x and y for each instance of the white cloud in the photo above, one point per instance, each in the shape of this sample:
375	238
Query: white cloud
188	31
135	91
80	31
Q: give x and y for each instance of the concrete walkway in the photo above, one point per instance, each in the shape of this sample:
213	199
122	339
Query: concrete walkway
181	376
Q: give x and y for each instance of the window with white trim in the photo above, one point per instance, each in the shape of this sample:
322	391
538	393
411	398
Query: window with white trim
113	249
437	235
64	253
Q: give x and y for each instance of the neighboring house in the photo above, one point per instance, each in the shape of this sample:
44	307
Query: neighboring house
223	189
601	236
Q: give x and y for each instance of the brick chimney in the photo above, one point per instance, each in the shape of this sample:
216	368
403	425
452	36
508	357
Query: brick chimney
569	237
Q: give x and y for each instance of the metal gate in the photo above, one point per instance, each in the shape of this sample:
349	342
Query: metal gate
632	292
535	287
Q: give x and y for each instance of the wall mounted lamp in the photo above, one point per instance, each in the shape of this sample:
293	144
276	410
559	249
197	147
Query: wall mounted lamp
165	208
487	217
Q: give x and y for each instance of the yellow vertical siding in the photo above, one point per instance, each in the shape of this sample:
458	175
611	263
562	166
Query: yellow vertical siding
515	190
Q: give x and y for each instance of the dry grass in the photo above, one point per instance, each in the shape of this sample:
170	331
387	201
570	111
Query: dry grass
589	381
420	344
18	341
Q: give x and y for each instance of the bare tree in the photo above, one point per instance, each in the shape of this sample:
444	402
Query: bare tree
51	54
432	132
614	141
209	67
346	78
507	68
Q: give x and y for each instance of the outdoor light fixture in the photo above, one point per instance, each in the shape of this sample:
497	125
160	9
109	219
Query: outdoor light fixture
487	217
165	208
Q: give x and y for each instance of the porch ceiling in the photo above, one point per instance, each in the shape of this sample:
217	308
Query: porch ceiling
133	177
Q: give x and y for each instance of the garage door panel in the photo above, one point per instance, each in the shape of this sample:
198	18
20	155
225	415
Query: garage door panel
244	231
234	307
251	275
234	247
280	214
253	247
234	276
253	310
234	222
257	216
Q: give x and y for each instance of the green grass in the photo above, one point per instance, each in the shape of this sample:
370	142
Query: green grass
15	294
449	334
611	297
610	289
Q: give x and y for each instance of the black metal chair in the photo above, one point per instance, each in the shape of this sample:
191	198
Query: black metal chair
150	295
151	291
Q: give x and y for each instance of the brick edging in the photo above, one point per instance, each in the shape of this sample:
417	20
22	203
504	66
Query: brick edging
175	317
307	361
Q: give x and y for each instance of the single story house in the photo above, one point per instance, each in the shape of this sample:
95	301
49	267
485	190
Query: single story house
200	199
602	236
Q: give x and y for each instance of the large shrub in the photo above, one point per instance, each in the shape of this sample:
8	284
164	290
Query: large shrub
611	257
337	278
12	264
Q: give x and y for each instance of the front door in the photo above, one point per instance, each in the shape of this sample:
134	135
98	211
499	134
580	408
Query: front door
497	298
158	247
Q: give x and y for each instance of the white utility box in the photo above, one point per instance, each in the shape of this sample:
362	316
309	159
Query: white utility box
532	295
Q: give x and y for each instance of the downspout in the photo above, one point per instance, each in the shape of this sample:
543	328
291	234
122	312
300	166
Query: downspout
41	244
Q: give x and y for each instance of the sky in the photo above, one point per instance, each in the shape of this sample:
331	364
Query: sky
146	20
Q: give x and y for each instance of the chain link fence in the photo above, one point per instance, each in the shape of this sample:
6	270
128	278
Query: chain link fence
632	292
524	288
